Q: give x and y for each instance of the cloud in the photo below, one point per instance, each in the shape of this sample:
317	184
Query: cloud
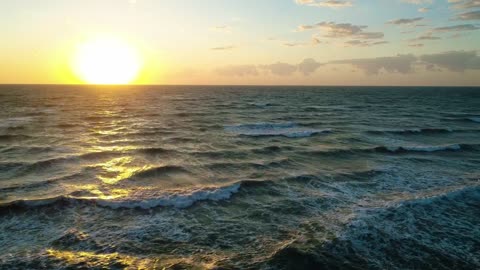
325	3
364	43
238	70
314	41
308	66
469	16
396	64
430	35
456	28
418	2
343	30
423	10
416	45
465	4
293	44
424	37
280	69
457	61
405	21
223	48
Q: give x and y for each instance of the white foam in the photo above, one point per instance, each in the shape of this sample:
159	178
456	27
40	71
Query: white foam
288	129
15	122
180	199
474	119
426	148
433	148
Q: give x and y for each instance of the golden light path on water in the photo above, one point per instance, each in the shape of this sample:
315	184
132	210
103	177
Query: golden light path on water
115	169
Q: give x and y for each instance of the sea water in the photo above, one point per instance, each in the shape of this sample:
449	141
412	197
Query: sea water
236	177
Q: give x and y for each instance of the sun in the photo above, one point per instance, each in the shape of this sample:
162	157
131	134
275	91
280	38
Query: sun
106	61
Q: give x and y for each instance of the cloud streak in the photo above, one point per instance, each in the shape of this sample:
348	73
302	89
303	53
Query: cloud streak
223	48
342	30
469	16
325	3
405	21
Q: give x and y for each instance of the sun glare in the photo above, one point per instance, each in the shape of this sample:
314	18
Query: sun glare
106	61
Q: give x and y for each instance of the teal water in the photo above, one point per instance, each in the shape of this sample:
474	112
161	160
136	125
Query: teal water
202	177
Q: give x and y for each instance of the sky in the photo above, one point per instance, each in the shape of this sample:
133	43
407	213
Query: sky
251	42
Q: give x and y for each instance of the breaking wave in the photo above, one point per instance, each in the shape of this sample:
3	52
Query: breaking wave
474	119
428	231
141	199
398	149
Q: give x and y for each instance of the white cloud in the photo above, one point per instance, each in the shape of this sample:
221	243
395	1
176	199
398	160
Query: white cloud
405	21
457	61
418	2
325	3
223	48
308	66
465	4
343	30
469	16
395	64
280	69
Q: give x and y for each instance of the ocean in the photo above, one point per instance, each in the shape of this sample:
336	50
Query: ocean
239	177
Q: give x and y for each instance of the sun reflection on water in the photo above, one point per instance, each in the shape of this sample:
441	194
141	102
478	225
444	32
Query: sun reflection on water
117	170
91	259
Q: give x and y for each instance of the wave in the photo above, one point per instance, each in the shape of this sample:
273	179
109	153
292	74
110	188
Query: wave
46	163
474	119
7	166
15	122
413	131
39	184
159	171
140	199
28	149
398	149
14	137
246	165
289	129
422	148
271	149
155	151
430	231
262	104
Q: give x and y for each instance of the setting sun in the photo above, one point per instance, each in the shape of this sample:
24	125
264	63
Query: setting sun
106	61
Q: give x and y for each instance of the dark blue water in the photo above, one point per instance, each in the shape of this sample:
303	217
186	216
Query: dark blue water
197	177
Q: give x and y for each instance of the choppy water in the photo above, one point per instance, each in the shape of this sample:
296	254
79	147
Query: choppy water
239	177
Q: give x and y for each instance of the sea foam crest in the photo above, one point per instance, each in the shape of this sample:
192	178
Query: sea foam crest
142	198
288	129
179	199
424	148
474	119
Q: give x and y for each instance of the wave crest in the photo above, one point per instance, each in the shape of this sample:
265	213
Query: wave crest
474	119
288	129
142	199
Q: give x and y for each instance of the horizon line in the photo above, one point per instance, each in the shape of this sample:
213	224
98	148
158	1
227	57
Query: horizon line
240	85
